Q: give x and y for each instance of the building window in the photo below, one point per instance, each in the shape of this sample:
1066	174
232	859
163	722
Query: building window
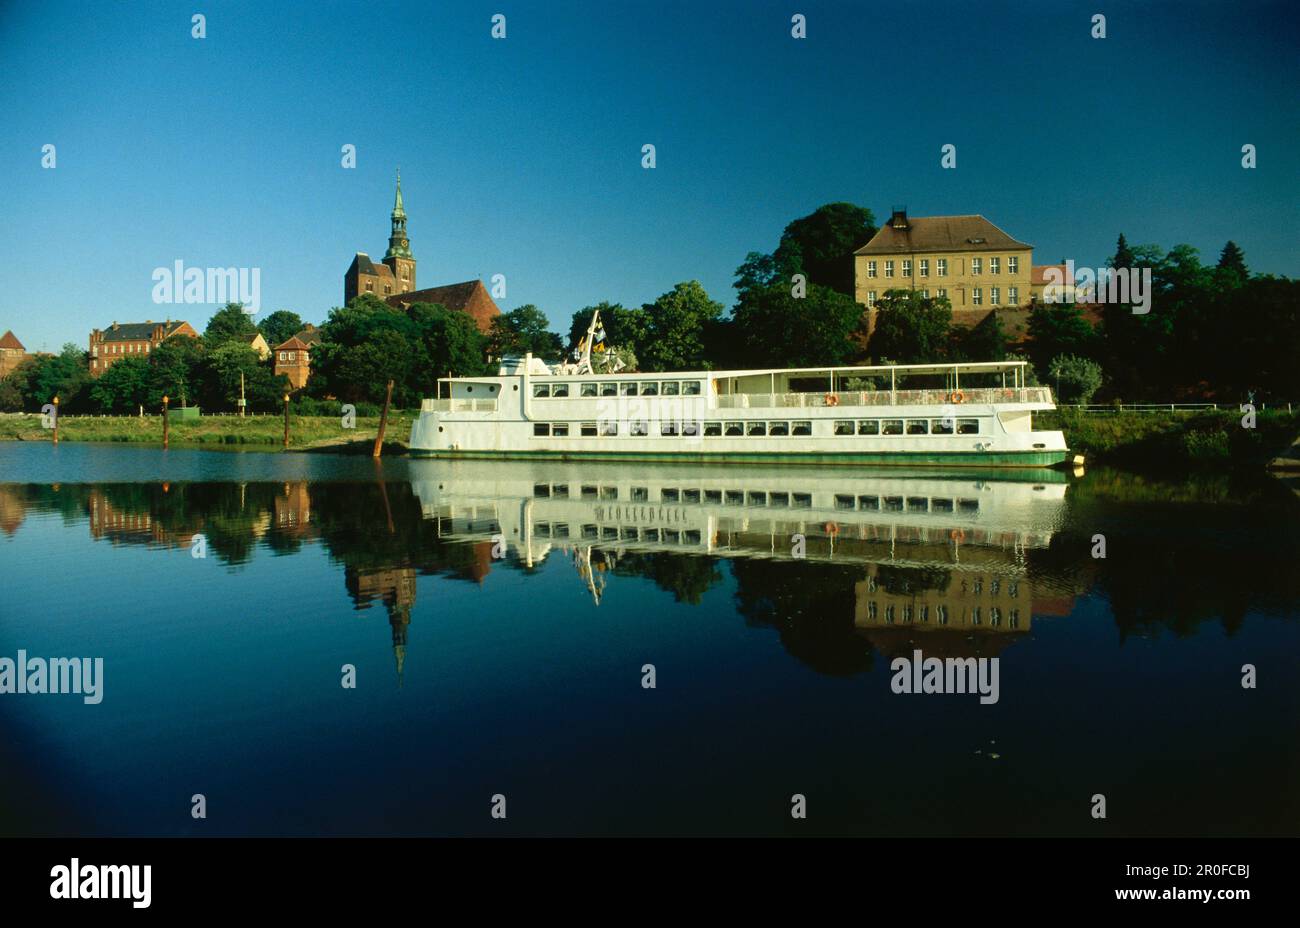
925	294
907	267
925	267
871	297
1013	265
994	295
284	355
1013	296
871	268
370	288
943	294
976	266
976	296
388	288
995	265
889	268
941	267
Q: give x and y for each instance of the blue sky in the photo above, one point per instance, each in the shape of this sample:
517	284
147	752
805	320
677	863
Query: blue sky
523	156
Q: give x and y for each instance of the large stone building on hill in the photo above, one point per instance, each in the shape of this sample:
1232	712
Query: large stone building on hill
393	279
131	339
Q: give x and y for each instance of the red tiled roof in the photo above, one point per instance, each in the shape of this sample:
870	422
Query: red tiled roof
469	297
9	340
1038	274
940	233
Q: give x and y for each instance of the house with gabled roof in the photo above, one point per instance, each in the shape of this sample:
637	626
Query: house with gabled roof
293	356
132	339
12	353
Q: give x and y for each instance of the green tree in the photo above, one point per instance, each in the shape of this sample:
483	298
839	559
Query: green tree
124	387
222	368
448	342
984	341
675	340
770	327
522	330
176	371
911	329
63	375
280	326
1075	379
821	245
230	323
623	326
1059	328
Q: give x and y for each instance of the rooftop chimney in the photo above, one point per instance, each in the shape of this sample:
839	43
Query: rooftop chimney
899	219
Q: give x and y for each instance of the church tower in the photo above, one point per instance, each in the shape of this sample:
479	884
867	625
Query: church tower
398	257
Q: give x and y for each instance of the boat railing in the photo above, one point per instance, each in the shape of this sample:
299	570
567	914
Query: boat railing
885	398
458	405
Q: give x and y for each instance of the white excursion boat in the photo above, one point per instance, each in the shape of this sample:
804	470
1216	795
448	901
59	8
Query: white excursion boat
976	414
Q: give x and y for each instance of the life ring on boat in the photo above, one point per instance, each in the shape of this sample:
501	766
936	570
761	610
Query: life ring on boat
831	529
832	399
956	398
957	535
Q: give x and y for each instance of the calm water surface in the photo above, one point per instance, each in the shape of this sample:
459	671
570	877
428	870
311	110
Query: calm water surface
499	616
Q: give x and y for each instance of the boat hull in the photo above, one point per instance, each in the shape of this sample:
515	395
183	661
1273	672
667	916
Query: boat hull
1046	458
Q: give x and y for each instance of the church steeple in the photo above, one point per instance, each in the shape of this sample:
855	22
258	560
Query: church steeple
399	246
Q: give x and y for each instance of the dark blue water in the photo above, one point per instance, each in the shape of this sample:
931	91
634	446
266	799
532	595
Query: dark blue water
499	650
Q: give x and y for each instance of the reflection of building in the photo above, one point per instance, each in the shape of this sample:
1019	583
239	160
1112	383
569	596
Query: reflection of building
131	339
293	509
395	588
13	509
133	525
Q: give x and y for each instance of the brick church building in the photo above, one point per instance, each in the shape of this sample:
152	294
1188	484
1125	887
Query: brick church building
393	279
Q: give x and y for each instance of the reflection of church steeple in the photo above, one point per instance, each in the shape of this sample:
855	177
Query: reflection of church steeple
395	588
399	617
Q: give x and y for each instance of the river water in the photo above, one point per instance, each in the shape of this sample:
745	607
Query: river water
642	649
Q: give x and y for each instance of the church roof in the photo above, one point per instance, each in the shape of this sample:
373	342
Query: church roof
363	265
9	340
469	296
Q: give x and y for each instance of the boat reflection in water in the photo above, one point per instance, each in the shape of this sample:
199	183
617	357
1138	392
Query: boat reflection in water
939	556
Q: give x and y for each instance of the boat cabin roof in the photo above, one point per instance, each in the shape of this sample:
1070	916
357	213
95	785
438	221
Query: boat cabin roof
972	367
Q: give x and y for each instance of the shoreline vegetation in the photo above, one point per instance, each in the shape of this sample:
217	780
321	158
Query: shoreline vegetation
1159	440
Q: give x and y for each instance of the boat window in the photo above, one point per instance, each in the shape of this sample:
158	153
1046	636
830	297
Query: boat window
609	533
756	498
650	534
587	430
670	494
968	505
735	498
690	429
869	503
712	429
560	490
541	490
756	428
918	426
778	428
968	426
560	430
800	428
588	492
892	503
844	501
779	499
690	388
891	427
590	531
541	428
691	536
869	427
843	427
918	504
638	427
671	536
650	389
561	529
627	389
690	496
629	533
669	388
941	426
560	389
640	494
609	493
542	529
667	428
541	389
735	428
801	500
941	505
713	496
607	426
609	389
589	389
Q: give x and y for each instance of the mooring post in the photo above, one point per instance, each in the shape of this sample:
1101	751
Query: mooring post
383	422
286	420
166	424
56	420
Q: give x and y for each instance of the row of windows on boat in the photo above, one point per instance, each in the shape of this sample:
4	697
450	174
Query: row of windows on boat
750	428
909	614
625	388
867	502
590	532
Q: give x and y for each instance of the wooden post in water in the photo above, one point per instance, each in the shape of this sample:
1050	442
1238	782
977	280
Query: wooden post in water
166	425
56	420
286	420
383	422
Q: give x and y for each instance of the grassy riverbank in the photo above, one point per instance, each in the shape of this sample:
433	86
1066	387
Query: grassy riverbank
305	432
1174	440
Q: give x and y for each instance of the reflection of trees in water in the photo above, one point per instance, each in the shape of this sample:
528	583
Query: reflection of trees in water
810	605
687	577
